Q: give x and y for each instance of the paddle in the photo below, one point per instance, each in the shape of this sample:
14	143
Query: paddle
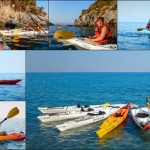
140	29
11	114
64	35
37	24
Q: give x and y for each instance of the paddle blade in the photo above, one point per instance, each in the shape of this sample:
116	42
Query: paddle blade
16	31
106	105
13	112
140	29
64	34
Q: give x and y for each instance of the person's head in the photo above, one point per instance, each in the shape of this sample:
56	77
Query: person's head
100	21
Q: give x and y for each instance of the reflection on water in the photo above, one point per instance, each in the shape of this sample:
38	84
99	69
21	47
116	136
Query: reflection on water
27	43
114	134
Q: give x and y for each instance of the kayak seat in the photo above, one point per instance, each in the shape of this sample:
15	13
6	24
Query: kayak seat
141	115
91	114
118	114
86	106
90	109
101	113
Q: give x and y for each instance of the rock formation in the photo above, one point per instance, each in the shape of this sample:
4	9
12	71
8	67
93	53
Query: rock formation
101	8
16	13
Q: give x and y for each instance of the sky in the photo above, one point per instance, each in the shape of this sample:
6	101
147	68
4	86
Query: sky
5	107
12	62
88	61
133	11
43	3
65	12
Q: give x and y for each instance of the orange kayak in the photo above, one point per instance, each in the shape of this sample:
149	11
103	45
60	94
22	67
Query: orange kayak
113	121
13	137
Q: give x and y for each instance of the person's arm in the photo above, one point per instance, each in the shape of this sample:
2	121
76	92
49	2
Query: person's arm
102	36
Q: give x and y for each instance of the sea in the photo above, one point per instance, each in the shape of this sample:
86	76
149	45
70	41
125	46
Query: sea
66	89
12	92
130	39
11	126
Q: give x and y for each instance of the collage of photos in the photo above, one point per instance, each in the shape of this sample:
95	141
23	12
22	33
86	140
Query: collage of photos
74	74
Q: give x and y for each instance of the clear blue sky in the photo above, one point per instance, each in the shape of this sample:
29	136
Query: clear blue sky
133	11
65	12
43	3
88	61
12	62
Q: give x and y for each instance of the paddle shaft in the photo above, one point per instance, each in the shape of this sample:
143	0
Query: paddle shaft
3	120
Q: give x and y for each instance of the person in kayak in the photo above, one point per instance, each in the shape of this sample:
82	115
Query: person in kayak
147	102
148	25
3	133
27	27
102	33
39	27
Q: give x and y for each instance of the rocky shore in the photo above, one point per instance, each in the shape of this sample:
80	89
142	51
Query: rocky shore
12	17
100	8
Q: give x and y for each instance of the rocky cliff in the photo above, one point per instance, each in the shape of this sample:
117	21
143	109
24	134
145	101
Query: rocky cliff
17	12
100	8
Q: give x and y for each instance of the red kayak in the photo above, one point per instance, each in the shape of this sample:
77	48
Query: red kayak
13	137
10	81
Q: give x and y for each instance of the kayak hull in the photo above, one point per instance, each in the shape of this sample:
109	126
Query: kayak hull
13	137
89	46
141	117
9	82
88	119
113	121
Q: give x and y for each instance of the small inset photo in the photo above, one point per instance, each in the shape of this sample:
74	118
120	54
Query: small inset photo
133	25
83	25
12	125
12	75
24	25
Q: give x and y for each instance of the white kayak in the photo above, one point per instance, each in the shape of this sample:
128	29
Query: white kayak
55	110
4	45
71	115
22	33
89	118
141	116
145	31
89	46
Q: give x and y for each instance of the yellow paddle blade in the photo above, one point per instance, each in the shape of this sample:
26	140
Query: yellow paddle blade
13	112
106	105
64	34
16	31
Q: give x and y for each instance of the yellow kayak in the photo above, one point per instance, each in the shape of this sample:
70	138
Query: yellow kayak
113	121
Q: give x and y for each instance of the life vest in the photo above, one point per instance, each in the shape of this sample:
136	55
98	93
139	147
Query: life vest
98	33
148	26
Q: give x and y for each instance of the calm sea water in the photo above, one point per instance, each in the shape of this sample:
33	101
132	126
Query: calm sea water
79	31
10	126
64	89
12	92
130	39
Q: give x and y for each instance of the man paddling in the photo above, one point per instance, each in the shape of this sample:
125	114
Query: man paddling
147	102
39	27
102	33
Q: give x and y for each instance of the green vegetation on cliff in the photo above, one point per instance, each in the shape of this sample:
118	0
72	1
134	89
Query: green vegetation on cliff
23	6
